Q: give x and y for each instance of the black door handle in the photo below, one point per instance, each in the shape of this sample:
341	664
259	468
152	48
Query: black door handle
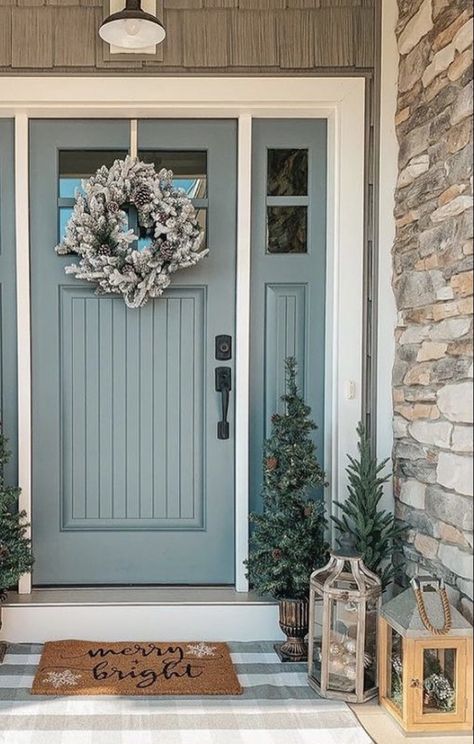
223	386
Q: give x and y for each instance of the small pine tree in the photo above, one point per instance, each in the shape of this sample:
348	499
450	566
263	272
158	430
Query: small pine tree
373	530
287	542
15	548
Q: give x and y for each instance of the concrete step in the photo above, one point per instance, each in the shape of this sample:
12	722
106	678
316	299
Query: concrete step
145	614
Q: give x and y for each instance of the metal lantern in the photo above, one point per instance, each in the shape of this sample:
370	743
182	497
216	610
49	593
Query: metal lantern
344	602
425	660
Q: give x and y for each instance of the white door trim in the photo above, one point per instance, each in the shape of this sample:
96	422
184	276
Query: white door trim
341	102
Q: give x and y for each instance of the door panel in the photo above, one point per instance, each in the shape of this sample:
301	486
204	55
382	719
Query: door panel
129	378
288	273
130	484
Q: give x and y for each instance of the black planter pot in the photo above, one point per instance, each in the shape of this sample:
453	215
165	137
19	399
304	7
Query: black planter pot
294	622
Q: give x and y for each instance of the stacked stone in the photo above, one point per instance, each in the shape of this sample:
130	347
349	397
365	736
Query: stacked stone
432	260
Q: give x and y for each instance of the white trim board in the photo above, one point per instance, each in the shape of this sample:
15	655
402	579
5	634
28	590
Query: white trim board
386	307
112	622
341	101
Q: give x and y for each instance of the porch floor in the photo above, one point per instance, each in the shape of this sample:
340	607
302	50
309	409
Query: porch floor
276	707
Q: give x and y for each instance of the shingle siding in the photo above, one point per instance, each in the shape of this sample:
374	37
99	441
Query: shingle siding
243	35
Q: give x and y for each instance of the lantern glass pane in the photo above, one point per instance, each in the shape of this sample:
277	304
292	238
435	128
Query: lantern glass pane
370	651
317	631
343	645
395	669
439	680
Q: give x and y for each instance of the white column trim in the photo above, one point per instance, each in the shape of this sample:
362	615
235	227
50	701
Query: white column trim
23	321
242	362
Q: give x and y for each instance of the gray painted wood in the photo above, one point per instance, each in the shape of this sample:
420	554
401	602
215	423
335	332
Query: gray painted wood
130	484
288	291
220	35
5	36
8	342
75	45
32	37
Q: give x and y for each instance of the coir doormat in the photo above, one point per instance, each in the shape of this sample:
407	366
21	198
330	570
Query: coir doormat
89	668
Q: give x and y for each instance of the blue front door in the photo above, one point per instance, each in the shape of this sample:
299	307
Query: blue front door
130	482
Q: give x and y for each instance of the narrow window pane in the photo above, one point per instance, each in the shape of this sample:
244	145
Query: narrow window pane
189	168
287	172
74	165
287	229
64	215
439	677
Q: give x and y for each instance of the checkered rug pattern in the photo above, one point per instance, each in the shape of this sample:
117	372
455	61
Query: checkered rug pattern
277	707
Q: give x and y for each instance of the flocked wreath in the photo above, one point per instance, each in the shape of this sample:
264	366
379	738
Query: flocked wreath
98	231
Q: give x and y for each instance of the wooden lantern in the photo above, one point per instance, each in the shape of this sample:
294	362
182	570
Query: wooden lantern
344	603
425	660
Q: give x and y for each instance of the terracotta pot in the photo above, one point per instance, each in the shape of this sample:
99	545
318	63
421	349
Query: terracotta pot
294	623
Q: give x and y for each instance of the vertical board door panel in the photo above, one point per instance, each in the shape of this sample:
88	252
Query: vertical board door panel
288	274
8	336
130	483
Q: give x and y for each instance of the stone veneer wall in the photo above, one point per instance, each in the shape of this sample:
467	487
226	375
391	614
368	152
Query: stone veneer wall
432	261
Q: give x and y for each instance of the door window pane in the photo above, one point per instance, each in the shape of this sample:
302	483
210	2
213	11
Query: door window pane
202	221
74	165
189	168
287	172
64	216
439	674
287	229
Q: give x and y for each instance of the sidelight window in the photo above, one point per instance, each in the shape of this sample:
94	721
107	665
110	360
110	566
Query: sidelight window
287	200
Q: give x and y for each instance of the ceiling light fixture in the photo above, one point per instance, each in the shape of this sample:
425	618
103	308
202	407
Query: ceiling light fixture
132	28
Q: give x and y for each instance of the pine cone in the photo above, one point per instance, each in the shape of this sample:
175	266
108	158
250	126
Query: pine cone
105	249
276	554
166	252
4	551
141	196
271	463
113	207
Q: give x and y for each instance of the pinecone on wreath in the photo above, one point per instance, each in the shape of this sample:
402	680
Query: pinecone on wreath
113	207
105	249
166	252
141	196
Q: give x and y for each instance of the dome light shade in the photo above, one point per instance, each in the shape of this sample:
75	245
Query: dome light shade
132	28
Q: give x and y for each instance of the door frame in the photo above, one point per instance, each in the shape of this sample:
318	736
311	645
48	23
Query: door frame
340	100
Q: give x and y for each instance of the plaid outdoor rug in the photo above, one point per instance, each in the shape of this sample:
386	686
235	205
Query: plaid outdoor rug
276	707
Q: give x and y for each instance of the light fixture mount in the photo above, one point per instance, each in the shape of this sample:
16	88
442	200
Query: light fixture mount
132	28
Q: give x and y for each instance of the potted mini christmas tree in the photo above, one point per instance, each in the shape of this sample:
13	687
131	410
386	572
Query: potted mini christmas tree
15	546
288	539
374	531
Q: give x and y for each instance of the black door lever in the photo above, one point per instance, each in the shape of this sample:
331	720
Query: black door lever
223	386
